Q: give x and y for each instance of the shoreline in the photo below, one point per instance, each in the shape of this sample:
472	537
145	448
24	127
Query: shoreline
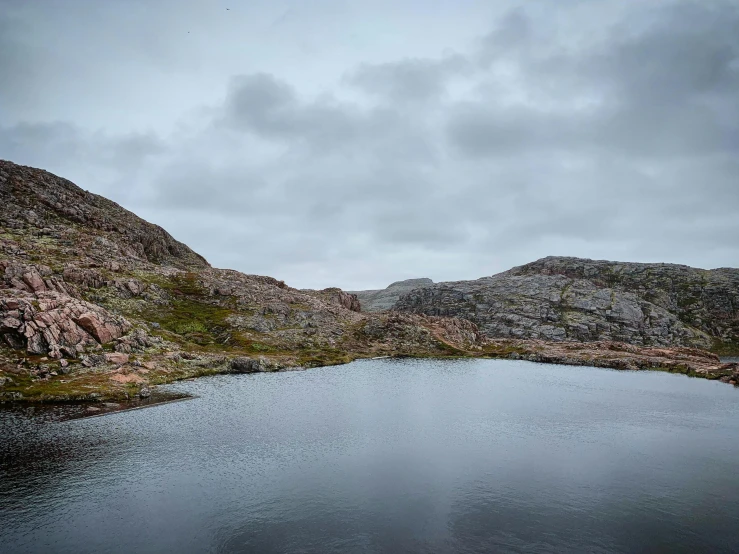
140	385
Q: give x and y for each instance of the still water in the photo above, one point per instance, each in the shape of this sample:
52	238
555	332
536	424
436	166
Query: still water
386	456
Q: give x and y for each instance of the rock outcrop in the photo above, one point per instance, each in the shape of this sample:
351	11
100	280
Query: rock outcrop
55	324
334	295
586	300
385	299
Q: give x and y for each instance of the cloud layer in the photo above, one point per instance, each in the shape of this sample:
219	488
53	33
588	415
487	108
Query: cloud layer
606	130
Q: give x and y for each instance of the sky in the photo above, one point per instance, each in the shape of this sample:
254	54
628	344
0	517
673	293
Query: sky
357	143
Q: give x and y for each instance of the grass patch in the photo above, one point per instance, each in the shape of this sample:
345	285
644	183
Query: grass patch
68	388
725	348
503	350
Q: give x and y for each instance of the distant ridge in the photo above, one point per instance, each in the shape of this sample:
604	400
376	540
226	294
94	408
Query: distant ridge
384	299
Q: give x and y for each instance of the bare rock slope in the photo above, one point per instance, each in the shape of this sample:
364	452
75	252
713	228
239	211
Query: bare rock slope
560	299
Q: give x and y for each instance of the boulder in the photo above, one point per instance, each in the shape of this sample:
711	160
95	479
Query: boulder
248	365
117	358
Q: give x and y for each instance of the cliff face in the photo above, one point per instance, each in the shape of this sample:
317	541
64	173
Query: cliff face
385	299
560	298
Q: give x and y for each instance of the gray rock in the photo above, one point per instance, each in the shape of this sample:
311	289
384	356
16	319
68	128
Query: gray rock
384	299
93	360
248	365
586	300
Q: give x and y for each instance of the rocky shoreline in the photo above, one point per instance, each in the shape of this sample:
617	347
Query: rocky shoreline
111	380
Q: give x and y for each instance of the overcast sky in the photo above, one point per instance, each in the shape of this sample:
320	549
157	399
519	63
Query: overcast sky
356	143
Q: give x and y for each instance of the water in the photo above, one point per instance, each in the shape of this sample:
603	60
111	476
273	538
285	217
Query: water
386	456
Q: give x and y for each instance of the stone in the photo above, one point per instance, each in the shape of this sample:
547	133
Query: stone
93	360
103	330
117	358
337	296
123	348
88	278
248	365
34	281
10	323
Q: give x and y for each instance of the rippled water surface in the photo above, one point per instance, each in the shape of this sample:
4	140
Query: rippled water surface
386	456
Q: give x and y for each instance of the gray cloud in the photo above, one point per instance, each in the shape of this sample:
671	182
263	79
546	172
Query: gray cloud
663	84
607	130
112	162
410	80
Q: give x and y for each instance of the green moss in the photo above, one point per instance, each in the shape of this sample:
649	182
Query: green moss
190	314
259	347
683	369
86	387
725	348
320	358
449	349
185	327
503	350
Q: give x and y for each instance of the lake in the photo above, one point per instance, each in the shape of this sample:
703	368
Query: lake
385	456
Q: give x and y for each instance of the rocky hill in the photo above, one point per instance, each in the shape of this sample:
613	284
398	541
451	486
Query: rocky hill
385	299
96	303
95	300
558	298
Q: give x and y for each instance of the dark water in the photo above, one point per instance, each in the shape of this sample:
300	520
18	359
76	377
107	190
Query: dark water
387	456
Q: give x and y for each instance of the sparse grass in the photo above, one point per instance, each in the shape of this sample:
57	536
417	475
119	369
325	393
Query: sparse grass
502	351
725	348
87	386
259	347
191	315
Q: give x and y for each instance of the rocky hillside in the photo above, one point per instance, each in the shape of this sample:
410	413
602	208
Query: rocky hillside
96	303
77	223
385	299
95	300
558	298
